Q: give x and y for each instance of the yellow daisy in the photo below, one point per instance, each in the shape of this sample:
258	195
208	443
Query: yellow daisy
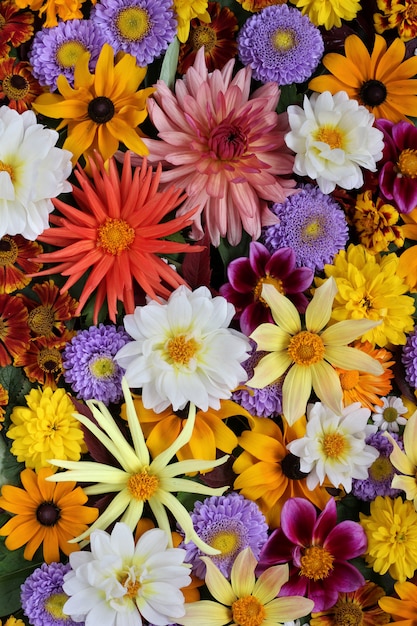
186	10
329	13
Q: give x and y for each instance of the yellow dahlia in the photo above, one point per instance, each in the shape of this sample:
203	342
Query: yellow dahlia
329	13
186	10
376	223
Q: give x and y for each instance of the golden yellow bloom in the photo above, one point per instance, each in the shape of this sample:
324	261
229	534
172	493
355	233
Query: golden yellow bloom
186	10
376	223
45	428
407	267
406	461
103	108
391	530
4	400
399	14
403	609
369	287
12	621
64	9
256	5
329	13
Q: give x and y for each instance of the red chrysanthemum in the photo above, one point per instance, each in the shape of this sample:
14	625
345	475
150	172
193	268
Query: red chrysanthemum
116	236
16	26
50	309
15	262
18	88
14	329
42	360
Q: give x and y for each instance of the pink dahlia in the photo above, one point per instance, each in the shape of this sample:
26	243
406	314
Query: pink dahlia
398	167
248	275
317	549
224	146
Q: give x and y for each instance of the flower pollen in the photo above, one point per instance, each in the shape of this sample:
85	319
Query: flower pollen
49	360
41	320
115	235
133	23
348	614
407	163
349	379
7	168
69	52
333	445
306	348
54	605
248	611
225	541
204	35
330	135
15	87
102	367
142	485
316	563
381	469
181	350
131	584
8	251
284	40
269	280
390	414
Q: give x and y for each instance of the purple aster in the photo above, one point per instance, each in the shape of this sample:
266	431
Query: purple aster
248	275
381	471
409	359
142	28
55	50
280	45
89	366
229	523
312	224
42	596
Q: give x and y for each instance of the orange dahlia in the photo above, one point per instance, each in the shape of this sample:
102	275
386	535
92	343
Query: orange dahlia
49	310
14	329
16	254
115	235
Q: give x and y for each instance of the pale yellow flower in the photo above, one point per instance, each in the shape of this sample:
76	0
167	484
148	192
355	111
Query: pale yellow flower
406	462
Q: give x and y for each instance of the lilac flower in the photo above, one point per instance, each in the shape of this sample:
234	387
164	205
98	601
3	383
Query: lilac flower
89	366
142	28
280	45
248	275
312	224
317	549
229	523
55	50
409	358
42	596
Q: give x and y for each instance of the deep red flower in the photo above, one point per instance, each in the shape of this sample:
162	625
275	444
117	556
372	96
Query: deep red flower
14	329
50	309
16	26
15	262
18	88
42	360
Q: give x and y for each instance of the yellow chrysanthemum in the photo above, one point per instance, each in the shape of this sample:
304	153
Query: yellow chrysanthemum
45	428
64	9
186	10
329	13
391	529
376	223
369	287
103	108
407	267
12	621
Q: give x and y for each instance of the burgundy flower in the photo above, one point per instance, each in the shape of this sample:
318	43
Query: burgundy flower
248	275
398	174
317	549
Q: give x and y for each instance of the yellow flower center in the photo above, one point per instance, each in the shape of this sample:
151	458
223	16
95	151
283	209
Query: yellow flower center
283	40
3	329
115	235
54	605
381	469
267	280
330	135
41	320
348	614
49	360
15	87
333	445
349	380
2	22
203	35
181	350
7	168
133	23
69	52
143	485
8	251
306	348
248	611
316	563
103	367
390	414
132	586
313	230
407	163
225	541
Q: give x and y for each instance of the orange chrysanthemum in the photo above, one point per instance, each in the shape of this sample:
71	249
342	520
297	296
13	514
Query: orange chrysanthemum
4	400
399	14
256	5
116	235
355	607
45	513
382	81
16	262
18	88
14	329
407	266
50	309
16	26
268	473
42	360
367	388
51	9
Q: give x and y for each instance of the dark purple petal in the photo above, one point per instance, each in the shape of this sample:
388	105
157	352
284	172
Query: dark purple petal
345	577
387	178
277	549
259	256
346	541
404	135
405	193
239	300
296	585
299	300
281	263
322	593
254	315
326	522
298	518
241	275
300	280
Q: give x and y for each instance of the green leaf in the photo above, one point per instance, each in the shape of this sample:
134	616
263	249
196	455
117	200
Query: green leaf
9	467
170	62
14	569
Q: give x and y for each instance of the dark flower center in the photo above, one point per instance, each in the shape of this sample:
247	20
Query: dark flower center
101	110
18	82
372	93
48	514
41	320
49	360
290	466
15	87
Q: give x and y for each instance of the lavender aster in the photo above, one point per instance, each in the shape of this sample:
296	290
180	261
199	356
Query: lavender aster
89	366
42	596
229	523
55	50
380	473
312	224
266	402
142	28
280	45
409	358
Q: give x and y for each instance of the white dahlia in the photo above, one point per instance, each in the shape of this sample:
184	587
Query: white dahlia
32	171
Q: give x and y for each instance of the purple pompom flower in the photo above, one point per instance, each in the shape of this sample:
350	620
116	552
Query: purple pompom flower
317	549
248	275
142	28
409	359
89	366
280	45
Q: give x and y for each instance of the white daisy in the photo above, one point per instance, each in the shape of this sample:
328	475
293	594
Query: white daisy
389	416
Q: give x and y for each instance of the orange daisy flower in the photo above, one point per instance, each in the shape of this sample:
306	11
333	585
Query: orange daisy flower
367	388
14	329
18	88
50	310
16	26
381	81
42	359
256	5
407	267
16	262
356	607
116	235
4	401
217	36
45	513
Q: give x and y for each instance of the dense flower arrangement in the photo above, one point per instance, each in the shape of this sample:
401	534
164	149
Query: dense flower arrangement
208	339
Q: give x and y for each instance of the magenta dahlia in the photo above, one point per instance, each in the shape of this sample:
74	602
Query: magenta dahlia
224	146
398	167
248	275
317	549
